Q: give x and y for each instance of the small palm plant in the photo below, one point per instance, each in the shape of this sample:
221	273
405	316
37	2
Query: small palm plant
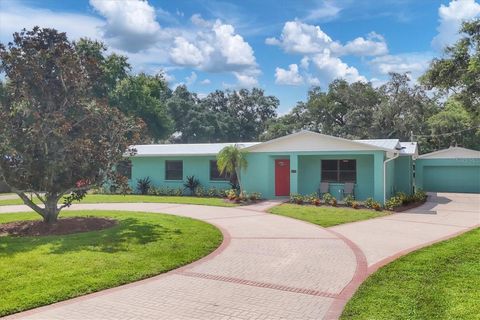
192	184
144	185
232	160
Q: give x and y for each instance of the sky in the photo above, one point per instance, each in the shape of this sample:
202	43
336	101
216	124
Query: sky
284	47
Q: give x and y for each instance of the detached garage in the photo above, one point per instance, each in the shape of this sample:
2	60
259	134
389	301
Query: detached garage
454	169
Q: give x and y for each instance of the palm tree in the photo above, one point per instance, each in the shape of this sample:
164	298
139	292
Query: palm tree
231	160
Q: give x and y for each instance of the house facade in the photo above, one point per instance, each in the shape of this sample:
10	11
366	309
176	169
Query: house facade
296	163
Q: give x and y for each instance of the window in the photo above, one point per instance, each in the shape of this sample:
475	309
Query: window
215	174
339	170
124	168
173	170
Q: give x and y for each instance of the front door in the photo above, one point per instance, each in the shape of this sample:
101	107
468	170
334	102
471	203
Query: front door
282	177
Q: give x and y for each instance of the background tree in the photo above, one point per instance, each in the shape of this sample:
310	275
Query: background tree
232	160
144	96
458	72
59	137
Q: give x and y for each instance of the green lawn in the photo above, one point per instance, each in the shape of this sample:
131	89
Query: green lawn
115	198
325	216
438	282
36	271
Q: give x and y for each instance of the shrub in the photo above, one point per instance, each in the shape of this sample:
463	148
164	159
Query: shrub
153	191
191	184
369	203
143	185
334	202
420	196
355	204
403	197
212	192
255	196
177	192
231	194
327	198
349	200
297	198
393	202
201	192
376	206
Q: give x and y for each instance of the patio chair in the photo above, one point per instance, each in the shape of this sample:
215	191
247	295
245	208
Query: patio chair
324	188
349	189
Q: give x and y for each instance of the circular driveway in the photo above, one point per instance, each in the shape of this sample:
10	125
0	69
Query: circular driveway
268	266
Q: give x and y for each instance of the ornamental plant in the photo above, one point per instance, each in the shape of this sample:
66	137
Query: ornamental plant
58	138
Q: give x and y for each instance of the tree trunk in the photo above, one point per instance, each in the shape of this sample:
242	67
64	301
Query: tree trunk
51	211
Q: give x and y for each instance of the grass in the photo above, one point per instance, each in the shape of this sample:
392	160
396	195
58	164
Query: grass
438	282
36	271
325	216
116	198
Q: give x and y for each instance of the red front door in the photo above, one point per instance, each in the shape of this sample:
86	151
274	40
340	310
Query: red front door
282	177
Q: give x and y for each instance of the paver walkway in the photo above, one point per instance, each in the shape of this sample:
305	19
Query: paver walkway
268	267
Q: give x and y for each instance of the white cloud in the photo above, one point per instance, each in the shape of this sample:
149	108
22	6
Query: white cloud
216	47
15	16
246	80
131	25
185	53
323	53
327	10
232	46
415	63
288	77
313	81
373	45
330	67
302	38
205	82
450	18
191	79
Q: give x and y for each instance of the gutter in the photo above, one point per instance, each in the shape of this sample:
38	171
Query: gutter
396	155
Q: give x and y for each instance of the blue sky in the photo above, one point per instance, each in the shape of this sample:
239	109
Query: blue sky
284	47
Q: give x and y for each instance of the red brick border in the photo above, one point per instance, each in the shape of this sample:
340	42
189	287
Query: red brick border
252	283
336	308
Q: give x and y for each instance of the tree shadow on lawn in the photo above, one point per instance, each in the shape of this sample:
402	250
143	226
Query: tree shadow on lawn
111	240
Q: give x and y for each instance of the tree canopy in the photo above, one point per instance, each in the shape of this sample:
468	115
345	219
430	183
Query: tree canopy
59	136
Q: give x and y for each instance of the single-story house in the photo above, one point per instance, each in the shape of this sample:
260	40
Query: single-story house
454	169
295	163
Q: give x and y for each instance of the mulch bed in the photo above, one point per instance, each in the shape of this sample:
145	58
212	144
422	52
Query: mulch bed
61	227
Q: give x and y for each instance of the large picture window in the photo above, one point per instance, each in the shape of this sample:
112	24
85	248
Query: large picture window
339	170
174	170
215	174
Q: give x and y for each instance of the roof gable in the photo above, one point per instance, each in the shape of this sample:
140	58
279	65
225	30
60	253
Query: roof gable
452	153
305	141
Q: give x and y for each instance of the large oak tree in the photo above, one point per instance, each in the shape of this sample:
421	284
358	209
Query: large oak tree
59	137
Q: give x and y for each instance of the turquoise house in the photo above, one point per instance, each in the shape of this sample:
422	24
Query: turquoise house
296	163
454	169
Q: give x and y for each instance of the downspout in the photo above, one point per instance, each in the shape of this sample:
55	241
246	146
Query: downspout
396	155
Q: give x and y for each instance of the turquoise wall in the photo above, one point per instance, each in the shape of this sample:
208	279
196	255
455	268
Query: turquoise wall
309	175
154	167
390	178
448	175
260	175
404	174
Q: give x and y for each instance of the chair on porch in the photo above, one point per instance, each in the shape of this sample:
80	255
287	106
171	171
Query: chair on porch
324	188
349	189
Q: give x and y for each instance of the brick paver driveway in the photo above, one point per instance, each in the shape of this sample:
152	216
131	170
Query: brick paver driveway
269	267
